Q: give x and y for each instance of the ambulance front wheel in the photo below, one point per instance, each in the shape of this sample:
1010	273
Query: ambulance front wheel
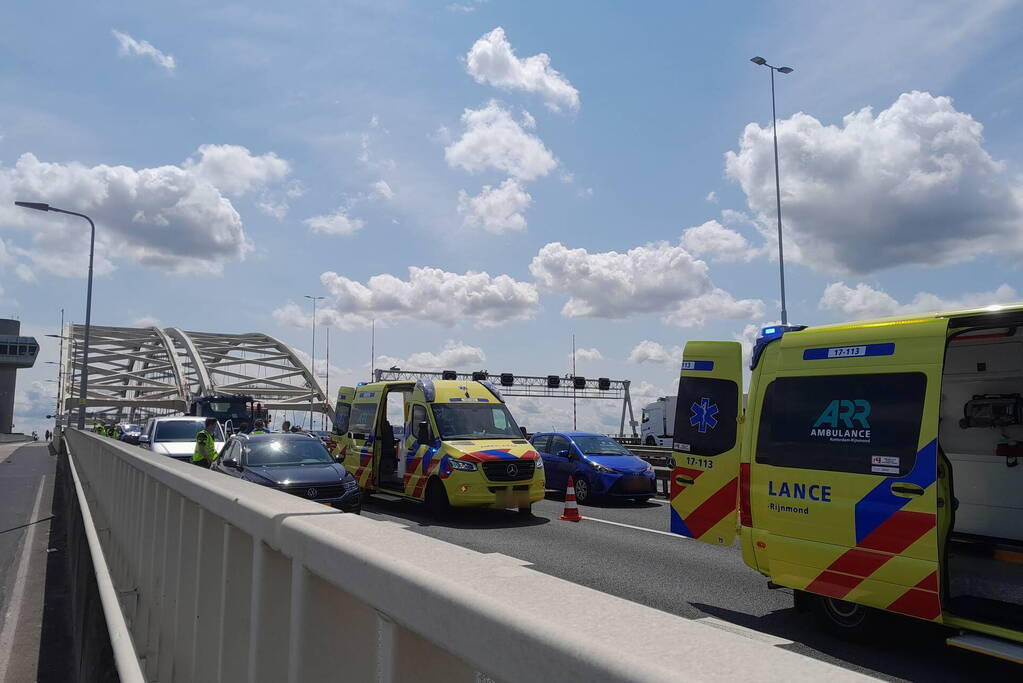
842	617
526	511
437	498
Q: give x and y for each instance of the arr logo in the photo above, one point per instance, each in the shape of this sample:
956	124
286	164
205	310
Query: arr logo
846	412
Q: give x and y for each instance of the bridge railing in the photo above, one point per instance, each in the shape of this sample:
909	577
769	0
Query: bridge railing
221	580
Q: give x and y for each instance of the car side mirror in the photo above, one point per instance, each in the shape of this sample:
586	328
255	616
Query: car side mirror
524	432
143	440
565	453
423	435
231	462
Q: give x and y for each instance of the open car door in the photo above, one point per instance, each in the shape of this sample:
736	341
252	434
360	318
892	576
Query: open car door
705	477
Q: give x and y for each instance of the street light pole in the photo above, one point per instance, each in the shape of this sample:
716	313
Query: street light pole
760	61
312	393
84	392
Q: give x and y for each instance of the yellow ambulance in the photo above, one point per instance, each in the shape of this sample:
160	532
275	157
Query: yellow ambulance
444	442
873	467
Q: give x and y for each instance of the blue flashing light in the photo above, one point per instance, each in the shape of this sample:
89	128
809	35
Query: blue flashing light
360	384
429	391
768	335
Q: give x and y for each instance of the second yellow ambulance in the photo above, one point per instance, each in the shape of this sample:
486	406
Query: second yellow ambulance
873	468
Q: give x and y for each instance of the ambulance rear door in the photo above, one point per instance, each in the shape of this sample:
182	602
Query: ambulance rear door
705	477
362	435
845	497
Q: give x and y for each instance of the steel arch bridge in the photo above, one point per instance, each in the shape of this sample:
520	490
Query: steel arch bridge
139	372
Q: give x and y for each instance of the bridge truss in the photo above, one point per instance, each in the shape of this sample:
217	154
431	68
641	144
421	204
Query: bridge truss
547	386
136	373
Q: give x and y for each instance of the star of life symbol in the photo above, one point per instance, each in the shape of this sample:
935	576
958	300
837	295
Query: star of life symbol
704	415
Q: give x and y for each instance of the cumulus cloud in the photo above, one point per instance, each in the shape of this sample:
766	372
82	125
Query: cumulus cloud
169	217
454	356
653	278
586	355
716	242
493	139
913	184
864	301
492	61
495	209
383	190
651	352
235	170
129	47
336	223
715	304
428	294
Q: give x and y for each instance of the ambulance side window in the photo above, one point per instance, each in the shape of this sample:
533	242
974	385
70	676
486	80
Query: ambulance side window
362	419
341	415
418	415
705	416
862	424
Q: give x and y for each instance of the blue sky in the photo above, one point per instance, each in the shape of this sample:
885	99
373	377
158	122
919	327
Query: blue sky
240	156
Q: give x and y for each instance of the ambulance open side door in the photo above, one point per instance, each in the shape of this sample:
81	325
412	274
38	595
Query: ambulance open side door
705	477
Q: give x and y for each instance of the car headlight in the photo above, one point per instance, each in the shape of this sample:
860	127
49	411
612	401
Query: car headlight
649	468
463	465
351	484
539	463
604	468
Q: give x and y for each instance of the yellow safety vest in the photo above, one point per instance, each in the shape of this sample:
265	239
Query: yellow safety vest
205	447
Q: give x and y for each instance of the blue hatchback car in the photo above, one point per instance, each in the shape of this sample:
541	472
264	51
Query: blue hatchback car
600	466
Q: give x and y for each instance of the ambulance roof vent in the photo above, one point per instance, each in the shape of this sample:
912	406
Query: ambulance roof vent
768	335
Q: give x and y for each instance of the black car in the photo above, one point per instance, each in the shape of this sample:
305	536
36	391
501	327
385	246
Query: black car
293	463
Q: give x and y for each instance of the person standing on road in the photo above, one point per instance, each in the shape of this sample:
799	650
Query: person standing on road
205	445
260	428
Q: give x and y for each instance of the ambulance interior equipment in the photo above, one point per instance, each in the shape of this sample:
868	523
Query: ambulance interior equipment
981	436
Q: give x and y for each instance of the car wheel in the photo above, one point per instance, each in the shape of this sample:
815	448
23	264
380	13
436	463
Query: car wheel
842	617
582	490
437	498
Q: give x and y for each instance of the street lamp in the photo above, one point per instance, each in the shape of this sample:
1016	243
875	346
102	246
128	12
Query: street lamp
38	206
312	394
760	61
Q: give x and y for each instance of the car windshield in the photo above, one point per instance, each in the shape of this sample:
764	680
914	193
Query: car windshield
600	445
475	421
277	452
183	430
131	429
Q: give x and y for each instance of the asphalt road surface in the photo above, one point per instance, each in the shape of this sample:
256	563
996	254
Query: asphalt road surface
627	551
27	562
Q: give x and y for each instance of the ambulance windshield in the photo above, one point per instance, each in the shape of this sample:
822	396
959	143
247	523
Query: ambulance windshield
475	421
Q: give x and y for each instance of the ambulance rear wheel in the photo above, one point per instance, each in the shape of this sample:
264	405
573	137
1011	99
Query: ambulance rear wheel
437	498
843	617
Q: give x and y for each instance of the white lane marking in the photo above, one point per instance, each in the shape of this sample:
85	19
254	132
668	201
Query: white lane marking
743	631
18	594
638	528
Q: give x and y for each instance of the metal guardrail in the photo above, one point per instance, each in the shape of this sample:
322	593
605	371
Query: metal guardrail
222	580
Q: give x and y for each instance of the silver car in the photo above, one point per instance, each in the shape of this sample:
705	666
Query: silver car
175	436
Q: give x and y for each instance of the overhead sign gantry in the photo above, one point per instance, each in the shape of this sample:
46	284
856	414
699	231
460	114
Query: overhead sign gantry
536	386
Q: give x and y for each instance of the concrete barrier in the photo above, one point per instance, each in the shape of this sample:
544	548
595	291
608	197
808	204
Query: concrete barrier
222	580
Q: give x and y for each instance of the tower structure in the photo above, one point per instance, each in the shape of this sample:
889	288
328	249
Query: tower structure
16	352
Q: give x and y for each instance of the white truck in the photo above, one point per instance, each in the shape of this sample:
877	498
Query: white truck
658	422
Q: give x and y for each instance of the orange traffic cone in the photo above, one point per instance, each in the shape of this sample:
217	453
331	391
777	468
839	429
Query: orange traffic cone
571	513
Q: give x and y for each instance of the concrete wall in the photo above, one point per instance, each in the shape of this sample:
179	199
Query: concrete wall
222	580
91	656
8	380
